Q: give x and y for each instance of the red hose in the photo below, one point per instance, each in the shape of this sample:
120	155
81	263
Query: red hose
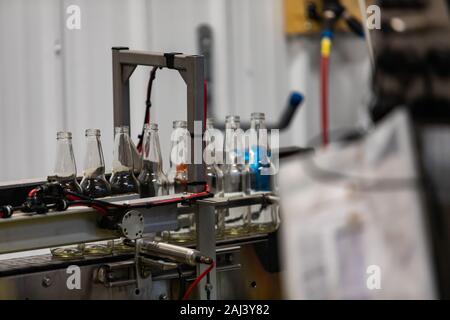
32	193
189	197
324	78
197	280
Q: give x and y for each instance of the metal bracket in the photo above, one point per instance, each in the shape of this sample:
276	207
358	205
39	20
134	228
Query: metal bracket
122	274
191	69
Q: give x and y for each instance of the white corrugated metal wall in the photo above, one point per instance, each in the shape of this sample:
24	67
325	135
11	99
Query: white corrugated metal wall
52	78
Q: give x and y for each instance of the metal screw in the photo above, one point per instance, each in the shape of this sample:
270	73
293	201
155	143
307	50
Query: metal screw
163	296
46	282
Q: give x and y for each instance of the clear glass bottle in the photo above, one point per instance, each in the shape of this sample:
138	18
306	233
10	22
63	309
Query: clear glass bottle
262	174
122	179
236	176
65	168
214	175
152	179
94	183
258	148
178	178
179	153
66	174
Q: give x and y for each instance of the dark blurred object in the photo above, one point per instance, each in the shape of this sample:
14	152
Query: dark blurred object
412	59
403	4
333	11
413	70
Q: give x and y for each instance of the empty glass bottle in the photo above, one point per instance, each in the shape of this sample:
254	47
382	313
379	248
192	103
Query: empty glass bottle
65	168
94	183
178	178
179	153
236	176
122	179
259	161
66	174
262	174
214	175
152	179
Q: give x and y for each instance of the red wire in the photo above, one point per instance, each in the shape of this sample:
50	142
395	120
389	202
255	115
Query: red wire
192	196
32	193
93	206
324	75
197	280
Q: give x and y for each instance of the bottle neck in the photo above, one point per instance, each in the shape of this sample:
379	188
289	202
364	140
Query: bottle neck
94	165
152	150
258	124
179	153
234	146
258	142
122	158
65	161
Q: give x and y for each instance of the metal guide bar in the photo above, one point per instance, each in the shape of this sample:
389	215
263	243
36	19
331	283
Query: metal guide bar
78	225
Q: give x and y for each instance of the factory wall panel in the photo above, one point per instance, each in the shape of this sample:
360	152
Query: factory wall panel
88	71
31	102
53	78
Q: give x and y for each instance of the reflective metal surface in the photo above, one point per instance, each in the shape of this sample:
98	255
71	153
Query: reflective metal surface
247	269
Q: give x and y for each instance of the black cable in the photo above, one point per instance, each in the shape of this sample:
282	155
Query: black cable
233	220
148	105
97	202
181	283
208	284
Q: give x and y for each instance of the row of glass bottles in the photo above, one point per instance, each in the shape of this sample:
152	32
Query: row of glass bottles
94	183
244	171
151	180
239	175
248	171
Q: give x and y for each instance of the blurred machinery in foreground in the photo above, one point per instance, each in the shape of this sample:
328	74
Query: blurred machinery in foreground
412	57
370	218
412	52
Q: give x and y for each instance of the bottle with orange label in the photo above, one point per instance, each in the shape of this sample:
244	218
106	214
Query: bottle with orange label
178	179
179	153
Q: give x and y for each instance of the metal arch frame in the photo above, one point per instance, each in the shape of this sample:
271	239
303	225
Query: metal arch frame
191	69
